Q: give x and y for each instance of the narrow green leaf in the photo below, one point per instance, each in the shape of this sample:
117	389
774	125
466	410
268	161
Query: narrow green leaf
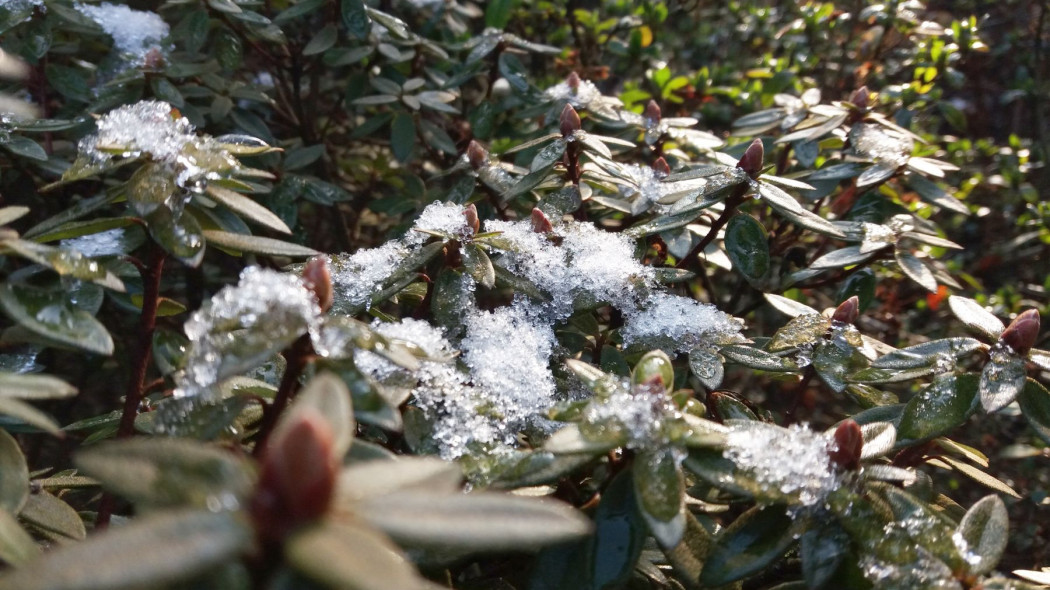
167	472
1035	405
16	546
352	557
915	270
20	410
257	244
477	263
823	548
245	206
322	41
179	237
33	386
976	317
53	517
14	475
757	358
151	552
475	522
1002	379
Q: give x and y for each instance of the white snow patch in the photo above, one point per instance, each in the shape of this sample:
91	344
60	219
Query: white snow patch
791	461
135	32
677	323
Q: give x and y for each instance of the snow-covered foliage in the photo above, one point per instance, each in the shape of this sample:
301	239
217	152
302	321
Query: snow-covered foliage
791	461
135	33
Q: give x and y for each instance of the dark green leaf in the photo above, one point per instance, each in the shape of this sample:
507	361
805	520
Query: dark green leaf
1035	405
939	408
841	258
52	316
402	136
498	12
707	367
478	265
355	18
182	237
748	247
660	489
751	543
322	41
1002	379
822	548
25	147
246	207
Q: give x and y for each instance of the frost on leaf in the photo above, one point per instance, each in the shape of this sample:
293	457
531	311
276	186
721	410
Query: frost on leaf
107	243
135	32
242	326
443	218
638	414
584	95
880	145
181	162
507	383
791	462
679	324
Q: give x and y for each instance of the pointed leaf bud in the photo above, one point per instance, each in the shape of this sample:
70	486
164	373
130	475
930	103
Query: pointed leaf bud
860	98
654	368
573	81
1022	333
849	441
471	213
570	121
751	161
319	281
847	311
661	167
540	223
298	476
477	155
652	112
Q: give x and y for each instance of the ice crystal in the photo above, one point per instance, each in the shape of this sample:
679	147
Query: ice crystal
105	243
446	218
585	96
640	411
357	277
589	266
925	571
677	323
242	326
135	32
876	143
508	355
791	461
506	386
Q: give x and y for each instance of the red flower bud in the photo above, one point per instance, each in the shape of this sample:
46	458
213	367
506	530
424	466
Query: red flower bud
661	167
471	213
570	121
298	476
860	98
319	281
849	441
540	223
652	112
573	81
751	161
1021	334
847	311
477	155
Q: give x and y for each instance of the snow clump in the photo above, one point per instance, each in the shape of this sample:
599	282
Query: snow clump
135	33
791	461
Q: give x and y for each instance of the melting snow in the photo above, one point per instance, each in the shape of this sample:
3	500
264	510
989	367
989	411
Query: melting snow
790	461
105	243
135	32
677	323
242	326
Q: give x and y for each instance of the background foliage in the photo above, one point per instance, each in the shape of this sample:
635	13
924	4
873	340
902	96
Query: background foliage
749	293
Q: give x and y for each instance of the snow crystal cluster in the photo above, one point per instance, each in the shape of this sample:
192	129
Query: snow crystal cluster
676	323
641	411
791	461
106	243
135	33
506	383
242	326
357	277
880	145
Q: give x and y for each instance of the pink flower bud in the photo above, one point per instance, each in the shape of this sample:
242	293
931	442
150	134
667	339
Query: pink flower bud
751	161
477	155
540	223
570	121
849	441
573	81
1022	333
471	213
652	112
860	98
319	281
661	167
847	311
